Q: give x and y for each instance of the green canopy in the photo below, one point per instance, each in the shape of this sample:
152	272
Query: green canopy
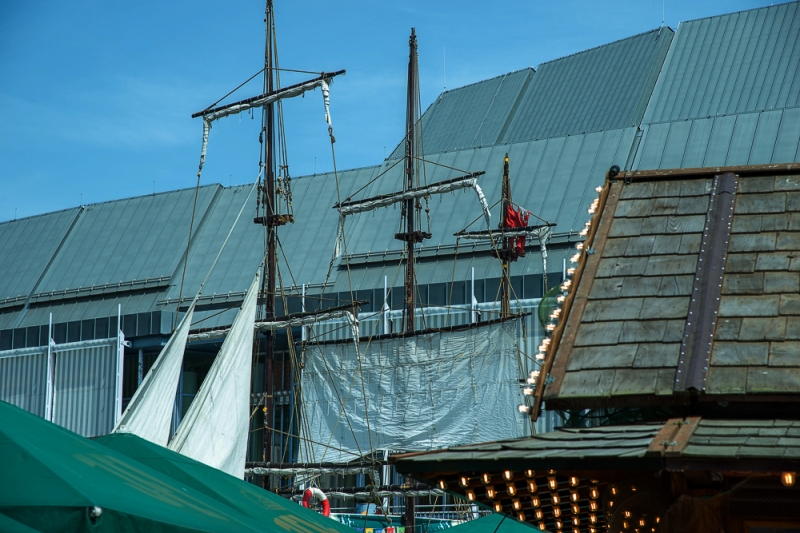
493	523
56	480
269	509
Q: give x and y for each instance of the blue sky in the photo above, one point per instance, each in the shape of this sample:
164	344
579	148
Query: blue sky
96	97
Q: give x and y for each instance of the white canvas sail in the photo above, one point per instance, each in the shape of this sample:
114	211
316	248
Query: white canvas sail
215	428
423	392
149	413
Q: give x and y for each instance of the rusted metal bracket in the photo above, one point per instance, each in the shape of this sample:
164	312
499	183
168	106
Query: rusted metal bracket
698	334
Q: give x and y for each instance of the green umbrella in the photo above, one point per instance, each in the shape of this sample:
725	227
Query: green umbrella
56	480
268	508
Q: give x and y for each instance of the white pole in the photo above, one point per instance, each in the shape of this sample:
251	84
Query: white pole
387	323
473	301
48	406
120	364
303	333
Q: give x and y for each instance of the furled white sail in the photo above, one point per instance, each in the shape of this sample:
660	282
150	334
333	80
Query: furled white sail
149	413
421	392
282	324
214	429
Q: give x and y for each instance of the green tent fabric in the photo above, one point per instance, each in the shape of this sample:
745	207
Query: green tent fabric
268	508
52	480
8	525
493	523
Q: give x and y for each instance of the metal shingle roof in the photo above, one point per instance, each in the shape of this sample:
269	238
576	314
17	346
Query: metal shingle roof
599	89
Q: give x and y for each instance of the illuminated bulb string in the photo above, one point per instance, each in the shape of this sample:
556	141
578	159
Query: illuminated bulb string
561	298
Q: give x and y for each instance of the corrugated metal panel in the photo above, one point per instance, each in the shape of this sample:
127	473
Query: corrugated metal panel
23	378
745	139
736	63
26	247
88	309
242	254
85	387
137	238
583	93
471	116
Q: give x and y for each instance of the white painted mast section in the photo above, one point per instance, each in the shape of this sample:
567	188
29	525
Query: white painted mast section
149	413
215	429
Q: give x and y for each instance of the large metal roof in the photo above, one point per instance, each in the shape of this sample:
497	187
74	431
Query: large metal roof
719	91
729	93
599	89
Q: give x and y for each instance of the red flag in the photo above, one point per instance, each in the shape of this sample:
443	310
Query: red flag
517	218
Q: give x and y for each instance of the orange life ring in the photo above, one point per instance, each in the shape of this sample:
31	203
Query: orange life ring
314	492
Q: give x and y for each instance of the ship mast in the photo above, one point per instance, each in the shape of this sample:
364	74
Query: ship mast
270	221
507	252
411	236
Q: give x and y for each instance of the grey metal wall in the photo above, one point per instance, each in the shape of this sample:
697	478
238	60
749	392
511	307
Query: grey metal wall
86	384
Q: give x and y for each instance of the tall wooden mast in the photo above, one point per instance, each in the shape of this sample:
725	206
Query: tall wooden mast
270	220
411	236
508	249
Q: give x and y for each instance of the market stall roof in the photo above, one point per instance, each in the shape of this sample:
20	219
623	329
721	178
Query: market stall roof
690	443
687	291
267	508
52	476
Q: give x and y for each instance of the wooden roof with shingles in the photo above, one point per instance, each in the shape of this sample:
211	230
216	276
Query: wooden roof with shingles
623	336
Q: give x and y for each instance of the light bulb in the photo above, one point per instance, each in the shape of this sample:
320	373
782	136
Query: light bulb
535	501
542	526
575	258
592	505
521	517
559	524
788	479
508	475
593	493
550	327
593	518
498	507
539	356
442	484
511	489
555	498
599	188
532	485
486	478
641	522
627	514
531	473
464	481
576	509
490	492
624	524
556	511
573	495
539	514
470	495
527	391
523	408
579	246
560	298
576	521
516	504
552	482
613	490
573	481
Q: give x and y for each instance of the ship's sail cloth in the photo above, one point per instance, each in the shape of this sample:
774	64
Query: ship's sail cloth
283	324
214	430
149	413
216	113
422	391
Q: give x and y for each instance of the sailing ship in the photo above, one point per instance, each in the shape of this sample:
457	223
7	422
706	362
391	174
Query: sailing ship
406	389
215	429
